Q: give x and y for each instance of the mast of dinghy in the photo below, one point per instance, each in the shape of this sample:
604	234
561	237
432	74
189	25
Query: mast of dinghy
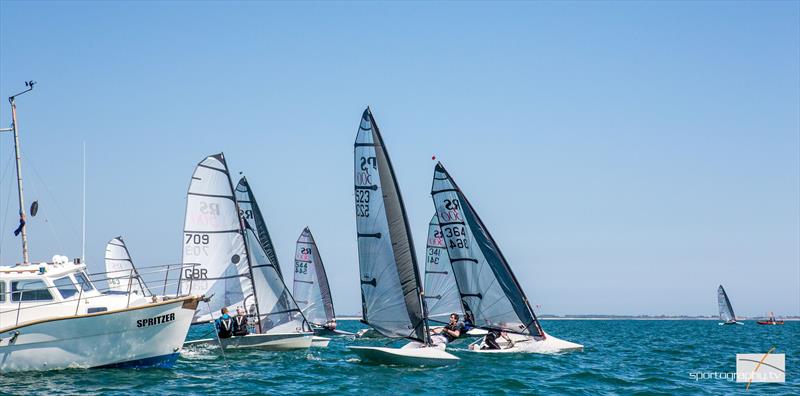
20	194
242	229
378	139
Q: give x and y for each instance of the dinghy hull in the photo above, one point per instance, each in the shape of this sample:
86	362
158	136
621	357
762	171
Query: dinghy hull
420	356
269	342
320	342
525	344
145	336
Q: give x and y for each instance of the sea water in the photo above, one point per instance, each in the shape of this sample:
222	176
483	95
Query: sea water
620	357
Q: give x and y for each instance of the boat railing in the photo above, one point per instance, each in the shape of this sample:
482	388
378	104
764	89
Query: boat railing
165	284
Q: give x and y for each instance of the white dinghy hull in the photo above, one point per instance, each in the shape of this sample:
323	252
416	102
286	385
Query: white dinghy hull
269	342
144	336
320	342
526	344
412	354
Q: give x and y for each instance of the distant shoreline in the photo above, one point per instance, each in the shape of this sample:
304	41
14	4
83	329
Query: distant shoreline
600	317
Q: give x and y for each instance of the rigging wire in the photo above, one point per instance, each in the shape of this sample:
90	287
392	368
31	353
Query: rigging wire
4	217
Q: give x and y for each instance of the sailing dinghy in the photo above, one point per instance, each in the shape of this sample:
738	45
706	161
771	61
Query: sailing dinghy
251	213
441	291
232	267
123	278
726	315
391	290
490	293
311	289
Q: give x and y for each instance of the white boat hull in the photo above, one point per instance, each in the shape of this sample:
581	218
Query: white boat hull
526	344
413	354
269	341
320	342
145	336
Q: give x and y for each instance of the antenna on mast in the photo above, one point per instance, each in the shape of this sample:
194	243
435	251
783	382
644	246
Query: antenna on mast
83	209
21	229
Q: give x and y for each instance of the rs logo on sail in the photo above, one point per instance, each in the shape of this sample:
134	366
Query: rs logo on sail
155	321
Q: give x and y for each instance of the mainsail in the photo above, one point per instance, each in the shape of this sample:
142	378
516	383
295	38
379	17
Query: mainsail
275	307
725	309
490	293
311	289
122	275
213	241
248	209
390	282
441	291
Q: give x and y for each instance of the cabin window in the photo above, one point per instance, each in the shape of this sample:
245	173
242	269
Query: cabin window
30	290
66	287
84	281
2	291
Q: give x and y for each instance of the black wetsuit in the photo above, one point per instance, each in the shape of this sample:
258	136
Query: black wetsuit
240	326
490	341
225	327
451	327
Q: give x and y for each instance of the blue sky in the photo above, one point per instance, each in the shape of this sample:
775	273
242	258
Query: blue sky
628	157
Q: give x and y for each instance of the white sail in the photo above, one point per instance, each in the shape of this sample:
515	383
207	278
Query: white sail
311	289
725	309
121	273
441	291
274	305
490	293
213	241
390	282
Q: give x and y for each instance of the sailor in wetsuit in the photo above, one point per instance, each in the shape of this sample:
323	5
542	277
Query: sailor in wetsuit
331	325
490	341
224	324
449	333
240	323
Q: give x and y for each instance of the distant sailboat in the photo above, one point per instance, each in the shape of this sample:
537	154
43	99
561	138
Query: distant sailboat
770	321
726	315
232	267
441	291
490	293
311	289
123	277
391	288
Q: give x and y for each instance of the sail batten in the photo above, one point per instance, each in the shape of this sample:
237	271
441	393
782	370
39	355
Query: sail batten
491	296
311	289
390	281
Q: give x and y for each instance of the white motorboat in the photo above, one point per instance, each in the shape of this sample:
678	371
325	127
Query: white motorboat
53	317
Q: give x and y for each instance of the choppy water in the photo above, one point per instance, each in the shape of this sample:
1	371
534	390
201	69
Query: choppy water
653	357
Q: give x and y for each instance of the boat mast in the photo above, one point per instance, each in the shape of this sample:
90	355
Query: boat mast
15	130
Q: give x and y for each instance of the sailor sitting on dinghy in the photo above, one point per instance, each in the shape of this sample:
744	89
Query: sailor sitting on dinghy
449	333
224	324
240	323
490	340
